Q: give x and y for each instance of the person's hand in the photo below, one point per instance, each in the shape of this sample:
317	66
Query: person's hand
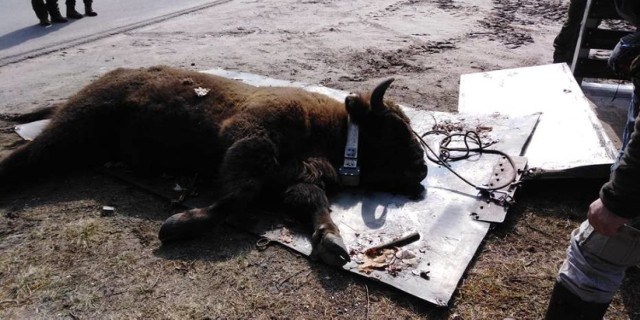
623	54
604	221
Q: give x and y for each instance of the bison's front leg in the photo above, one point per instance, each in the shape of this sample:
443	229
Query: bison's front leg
327	243
242	174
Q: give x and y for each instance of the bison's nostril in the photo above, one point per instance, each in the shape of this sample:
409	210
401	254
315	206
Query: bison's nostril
417	171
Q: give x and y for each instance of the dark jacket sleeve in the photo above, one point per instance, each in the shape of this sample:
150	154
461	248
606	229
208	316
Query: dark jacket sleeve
621	195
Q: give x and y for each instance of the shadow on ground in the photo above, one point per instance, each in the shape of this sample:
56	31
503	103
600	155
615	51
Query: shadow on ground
25	34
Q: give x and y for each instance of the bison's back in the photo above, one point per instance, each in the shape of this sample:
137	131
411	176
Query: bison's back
166	119
152	118
163	87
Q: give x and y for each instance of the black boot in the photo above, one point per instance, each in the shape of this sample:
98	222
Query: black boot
564	305
71	10
73	14
41	12
54	12
88	11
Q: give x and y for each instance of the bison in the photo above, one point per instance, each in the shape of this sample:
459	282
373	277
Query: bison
285	143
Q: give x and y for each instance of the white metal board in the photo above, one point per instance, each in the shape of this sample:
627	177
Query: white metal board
569	134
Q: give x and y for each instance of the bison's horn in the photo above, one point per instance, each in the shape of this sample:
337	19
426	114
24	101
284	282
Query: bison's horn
377	95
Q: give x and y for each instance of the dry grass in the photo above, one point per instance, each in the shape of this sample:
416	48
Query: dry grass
515	269
61	259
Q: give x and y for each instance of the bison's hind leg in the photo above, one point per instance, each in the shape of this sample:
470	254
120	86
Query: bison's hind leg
241	178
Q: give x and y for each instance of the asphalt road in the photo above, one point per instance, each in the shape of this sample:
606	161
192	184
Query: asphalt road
21	37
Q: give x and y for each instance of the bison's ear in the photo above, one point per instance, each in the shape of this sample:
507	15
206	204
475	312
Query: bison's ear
357	107
377	96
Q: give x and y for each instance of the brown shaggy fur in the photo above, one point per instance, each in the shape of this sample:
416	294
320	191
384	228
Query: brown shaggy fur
248	140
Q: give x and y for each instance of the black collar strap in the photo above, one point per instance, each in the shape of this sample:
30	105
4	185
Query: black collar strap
350	172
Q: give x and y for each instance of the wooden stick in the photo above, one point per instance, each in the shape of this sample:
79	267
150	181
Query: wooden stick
402	241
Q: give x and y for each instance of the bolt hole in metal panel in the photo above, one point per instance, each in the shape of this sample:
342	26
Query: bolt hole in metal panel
447	220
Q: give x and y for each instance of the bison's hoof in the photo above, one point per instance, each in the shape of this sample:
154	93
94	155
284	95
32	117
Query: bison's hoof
331	250
184	225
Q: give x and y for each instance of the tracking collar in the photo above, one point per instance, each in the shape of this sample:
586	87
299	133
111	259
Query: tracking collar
350	172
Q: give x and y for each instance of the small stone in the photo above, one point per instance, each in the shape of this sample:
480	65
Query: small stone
107	211
405	254
456	316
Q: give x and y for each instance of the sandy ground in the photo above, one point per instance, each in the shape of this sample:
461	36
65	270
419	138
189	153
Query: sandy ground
347	45
59	258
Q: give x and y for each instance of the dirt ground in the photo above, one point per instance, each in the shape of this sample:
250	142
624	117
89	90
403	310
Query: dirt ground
61	258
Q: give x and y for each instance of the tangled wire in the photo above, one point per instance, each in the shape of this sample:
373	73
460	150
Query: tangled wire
469	139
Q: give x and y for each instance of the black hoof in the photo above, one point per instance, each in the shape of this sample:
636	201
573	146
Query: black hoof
331	250
184	225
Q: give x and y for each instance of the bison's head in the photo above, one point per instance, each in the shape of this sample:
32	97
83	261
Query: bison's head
390	155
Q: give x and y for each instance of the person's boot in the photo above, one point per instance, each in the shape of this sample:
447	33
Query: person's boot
88	10
564	305
73	14
41	12
71	10
54	12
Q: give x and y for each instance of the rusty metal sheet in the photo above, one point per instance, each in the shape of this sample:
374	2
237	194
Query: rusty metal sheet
569	134
493	207
449	234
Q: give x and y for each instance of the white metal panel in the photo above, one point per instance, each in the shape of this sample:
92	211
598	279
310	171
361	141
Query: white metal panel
569	134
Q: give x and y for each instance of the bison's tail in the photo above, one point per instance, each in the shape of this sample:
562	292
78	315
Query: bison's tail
38	114
71	141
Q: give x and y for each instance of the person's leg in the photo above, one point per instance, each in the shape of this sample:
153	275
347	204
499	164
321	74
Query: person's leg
565	305
41	12
592	272
54	12
565	42
88	8
71	10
